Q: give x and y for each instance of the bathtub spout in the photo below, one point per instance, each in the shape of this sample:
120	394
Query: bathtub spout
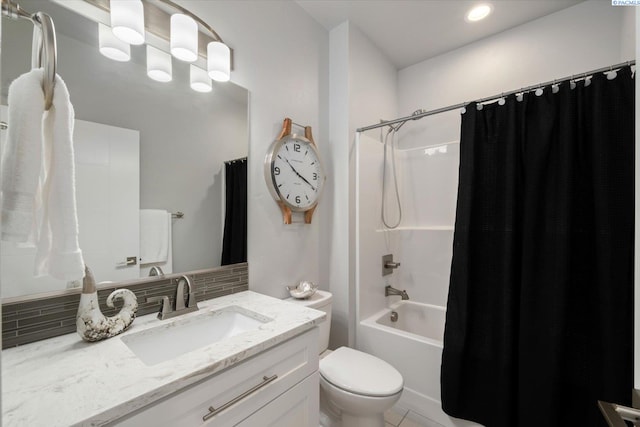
388	290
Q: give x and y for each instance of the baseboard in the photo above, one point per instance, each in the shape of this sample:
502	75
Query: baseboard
430	408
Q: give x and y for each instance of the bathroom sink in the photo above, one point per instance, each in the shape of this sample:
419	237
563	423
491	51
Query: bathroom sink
167	341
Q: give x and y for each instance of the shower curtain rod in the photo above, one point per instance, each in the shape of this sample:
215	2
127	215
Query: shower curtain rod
420	115
239	159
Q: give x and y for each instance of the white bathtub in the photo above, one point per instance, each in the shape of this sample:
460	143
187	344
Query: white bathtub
422	322
413	345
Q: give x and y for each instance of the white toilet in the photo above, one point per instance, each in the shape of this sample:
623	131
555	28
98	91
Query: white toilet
356	388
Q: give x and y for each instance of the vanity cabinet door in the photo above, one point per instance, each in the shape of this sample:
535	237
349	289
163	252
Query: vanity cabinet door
298	407
236	392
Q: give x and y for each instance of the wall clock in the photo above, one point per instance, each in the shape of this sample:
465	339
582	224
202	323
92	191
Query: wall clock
294	173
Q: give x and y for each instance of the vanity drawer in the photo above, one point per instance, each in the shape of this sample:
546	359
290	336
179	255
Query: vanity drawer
239	391
298	407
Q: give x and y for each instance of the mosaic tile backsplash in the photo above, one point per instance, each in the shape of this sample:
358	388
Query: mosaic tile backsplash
30	321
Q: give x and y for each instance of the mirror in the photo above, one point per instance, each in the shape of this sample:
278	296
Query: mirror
185	137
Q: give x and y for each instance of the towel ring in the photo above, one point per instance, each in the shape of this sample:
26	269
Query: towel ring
46	54
44	46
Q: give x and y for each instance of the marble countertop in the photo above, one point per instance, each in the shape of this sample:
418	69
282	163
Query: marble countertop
65	381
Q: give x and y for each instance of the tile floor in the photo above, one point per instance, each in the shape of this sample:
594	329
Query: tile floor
399	417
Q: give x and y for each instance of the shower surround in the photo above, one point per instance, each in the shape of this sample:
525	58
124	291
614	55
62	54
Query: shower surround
427	181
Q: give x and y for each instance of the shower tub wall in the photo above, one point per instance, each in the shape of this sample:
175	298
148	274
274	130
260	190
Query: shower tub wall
413	345
423	242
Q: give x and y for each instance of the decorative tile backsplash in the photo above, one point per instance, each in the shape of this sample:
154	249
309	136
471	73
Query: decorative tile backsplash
28	321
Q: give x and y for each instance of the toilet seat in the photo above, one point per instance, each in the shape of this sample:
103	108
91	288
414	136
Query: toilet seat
360	373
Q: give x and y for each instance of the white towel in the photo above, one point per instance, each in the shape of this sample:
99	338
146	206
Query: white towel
38	177
154	235
22	157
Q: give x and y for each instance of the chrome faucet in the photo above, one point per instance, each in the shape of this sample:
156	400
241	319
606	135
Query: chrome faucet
156	271
191	301
166	312
388	291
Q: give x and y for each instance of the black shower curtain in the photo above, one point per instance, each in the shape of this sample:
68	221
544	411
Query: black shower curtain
234	243
540	311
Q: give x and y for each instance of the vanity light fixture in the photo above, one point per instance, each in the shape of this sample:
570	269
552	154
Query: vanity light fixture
479	12
127	20
200	80
111	46
158	64
219	61
184	37
189	38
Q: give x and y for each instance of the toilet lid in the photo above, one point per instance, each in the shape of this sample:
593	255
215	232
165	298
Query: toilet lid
360	373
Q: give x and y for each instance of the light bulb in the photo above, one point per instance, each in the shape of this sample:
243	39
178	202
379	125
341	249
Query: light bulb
111	46
184	37
219	61
127	20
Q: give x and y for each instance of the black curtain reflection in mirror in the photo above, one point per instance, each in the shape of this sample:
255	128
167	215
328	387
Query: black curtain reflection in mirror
539	323
234	243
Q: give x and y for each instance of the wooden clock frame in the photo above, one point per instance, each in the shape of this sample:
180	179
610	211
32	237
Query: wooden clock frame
285	209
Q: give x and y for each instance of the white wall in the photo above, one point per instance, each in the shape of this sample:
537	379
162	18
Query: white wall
334	242
281	56
363	91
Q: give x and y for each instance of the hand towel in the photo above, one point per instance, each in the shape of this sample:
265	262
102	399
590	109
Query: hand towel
154	235
38	185
22	157
59	253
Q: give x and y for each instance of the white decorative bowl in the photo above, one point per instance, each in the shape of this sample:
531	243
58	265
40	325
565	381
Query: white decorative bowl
303	290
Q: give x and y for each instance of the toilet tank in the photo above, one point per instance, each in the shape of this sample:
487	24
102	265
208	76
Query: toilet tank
321	300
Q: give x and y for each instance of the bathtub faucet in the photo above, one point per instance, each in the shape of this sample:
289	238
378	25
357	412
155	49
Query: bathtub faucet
388	290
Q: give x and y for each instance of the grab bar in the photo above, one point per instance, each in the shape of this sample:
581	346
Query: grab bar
44	47
616	415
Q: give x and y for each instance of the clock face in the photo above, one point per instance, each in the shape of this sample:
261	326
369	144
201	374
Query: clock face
296	172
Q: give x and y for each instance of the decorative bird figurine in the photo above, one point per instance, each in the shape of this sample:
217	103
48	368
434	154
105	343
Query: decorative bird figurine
91	324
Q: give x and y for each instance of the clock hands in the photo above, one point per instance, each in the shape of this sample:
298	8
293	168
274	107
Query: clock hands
300	176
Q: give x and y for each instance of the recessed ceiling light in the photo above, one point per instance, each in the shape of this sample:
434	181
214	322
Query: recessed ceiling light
478	12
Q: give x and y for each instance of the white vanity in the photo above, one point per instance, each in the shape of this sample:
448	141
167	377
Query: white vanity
262	371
